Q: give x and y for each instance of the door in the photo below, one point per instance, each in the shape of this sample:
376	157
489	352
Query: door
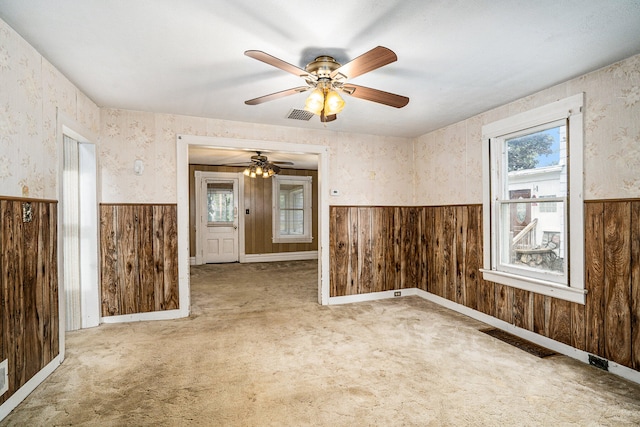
219	220
520	212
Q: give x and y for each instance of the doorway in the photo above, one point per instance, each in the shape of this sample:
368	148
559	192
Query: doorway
217	207
78	227
322	152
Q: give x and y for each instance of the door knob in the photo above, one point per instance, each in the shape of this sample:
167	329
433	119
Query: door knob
235	227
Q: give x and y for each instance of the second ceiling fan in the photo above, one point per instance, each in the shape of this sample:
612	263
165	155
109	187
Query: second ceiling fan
325	77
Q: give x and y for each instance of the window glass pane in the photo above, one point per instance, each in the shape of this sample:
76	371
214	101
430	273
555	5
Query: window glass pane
291	209
291	222
531	240
291	196
220	202
537	162
297	198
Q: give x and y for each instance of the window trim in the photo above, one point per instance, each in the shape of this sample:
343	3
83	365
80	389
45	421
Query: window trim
305	181
571	109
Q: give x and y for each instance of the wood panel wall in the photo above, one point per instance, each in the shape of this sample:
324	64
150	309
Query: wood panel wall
138	258
258	199
439	249
29	320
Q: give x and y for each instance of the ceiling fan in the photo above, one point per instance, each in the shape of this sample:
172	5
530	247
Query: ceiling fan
326	77
261	166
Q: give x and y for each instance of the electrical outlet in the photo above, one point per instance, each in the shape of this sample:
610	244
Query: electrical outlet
396	294
4	376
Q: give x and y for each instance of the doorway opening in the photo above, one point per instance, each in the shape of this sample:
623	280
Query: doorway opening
78	225
184	142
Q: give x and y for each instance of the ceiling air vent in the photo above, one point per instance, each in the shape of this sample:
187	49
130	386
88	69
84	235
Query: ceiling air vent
299	114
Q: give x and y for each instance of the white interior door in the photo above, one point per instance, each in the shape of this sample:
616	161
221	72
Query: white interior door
219	220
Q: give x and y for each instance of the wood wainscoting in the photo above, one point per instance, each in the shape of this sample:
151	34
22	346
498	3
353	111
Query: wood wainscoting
439	249
138	258
29	321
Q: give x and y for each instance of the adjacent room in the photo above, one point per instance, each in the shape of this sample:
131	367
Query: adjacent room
346	213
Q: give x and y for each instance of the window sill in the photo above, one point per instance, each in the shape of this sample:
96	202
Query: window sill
292	240
535	285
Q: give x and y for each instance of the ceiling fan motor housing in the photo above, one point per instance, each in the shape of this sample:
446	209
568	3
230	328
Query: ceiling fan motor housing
322	67
259	158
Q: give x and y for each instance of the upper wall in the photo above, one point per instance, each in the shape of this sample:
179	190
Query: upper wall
31	90
366	169
449	159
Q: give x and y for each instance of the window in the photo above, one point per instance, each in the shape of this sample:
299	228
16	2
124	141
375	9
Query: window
533	223
549	206
292	209
220	204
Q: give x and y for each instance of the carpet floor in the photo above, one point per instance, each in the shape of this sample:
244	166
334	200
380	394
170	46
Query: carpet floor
258	350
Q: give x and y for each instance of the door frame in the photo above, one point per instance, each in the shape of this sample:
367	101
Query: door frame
199	179
89	238
182	146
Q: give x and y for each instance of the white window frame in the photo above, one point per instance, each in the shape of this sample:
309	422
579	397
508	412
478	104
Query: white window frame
305	181
571	110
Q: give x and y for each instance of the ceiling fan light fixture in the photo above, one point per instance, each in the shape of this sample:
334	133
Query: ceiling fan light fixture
315	102
333	103
324	74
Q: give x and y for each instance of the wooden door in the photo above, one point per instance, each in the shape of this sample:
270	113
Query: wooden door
520	212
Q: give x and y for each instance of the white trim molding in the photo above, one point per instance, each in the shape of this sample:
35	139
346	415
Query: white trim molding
140	317
24	391
280	256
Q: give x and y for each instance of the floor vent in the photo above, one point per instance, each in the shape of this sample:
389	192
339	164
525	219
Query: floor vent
299	115
4	376
522	344
599	362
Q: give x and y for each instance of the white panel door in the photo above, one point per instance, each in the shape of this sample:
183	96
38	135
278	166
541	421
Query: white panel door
220	220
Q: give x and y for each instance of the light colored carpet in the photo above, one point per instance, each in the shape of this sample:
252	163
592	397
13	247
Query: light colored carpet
259	351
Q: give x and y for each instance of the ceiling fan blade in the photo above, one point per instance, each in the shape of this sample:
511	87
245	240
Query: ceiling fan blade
278	63
277	95
283	163
375	95
329	118
369	61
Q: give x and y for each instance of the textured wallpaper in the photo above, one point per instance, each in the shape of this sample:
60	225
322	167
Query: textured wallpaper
368	170
449	169
31	90
442	167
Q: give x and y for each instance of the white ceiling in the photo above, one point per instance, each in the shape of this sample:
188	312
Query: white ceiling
455	58
203	155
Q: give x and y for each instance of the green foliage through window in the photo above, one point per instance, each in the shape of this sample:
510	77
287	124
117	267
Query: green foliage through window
525	151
